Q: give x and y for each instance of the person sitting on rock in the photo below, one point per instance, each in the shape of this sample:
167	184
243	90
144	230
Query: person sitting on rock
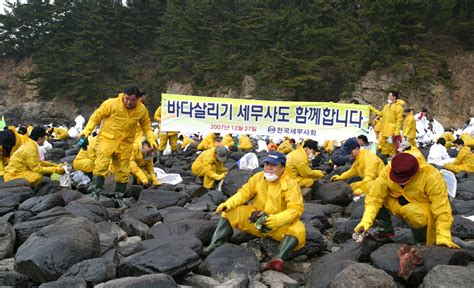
59	133
10	141
465	159
141	164
227	141
210	165
299	165
418	195
274	193
286	146
27	163
244	143
208	142
85	159
367	166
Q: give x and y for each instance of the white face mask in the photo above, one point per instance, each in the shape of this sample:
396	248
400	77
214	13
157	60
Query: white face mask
270	177
390	101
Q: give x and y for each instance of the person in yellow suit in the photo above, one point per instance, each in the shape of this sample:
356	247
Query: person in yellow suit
118	118
367	166
26	163
298	165
208	142
285	147
61	133
186	141
409	127
227	141
244	143
165	136
85	159
465	159
274	192
210	165
141	164
406	147
417	195
468	139
448	137
391	123
10	141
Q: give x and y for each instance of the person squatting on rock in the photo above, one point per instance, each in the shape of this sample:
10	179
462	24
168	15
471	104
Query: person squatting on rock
418	195
274	192
367	166
27	162
141	164
118	118
210	165
464	160
85	159
10	141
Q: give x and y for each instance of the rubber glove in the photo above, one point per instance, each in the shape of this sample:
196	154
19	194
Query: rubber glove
59	170
153	144
446	242
277	220
223	207
361	227
358	192
319	173
336	178
156	183
143	181
219	176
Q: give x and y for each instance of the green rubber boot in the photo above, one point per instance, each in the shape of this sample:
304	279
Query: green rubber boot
120	189
221	236
419	235
98	185
384	223
287	245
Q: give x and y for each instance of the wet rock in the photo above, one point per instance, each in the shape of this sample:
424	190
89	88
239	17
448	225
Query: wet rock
70	195
68	159
103	200
10	198
77	239
42	203
69	282
147	214
93	271
196	280
88	208
315	243
193	190
465	189
234	180
449	276
362	275
338	193
462	227
47	187
133	227
315	211
15	183
208	202
162	199
7	240
13	279
54	155
185	215
229	260
192	243
72	151
109	235
344	229
201	229
16	216
277	279
153	280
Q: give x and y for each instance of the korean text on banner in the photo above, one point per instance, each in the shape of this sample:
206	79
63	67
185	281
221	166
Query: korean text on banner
315	120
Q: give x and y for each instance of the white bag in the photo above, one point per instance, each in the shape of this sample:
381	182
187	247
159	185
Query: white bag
248	162
73	133
172	179
262	146
451	182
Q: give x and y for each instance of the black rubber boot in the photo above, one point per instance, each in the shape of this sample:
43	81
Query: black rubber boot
419	235
384	223
221	236
120	189
287	245
98	185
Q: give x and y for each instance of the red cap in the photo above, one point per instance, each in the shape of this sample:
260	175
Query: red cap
404	166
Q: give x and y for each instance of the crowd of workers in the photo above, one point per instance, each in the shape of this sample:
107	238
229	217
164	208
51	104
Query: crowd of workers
393	174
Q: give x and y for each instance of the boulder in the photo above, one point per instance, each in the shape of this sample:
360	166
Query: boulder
7	264
228	261
133	227
90	209
42	203
234	180
315	243
47	187
344	229
362	275
449	276
462	227
10	198
145	213
15	217
276	279
77	239
69	282
14	279
109	235
185	215
201	229
338	193
237	281
196	280
54	155
7	240
93	271
162	198
208	201
70	195
153	280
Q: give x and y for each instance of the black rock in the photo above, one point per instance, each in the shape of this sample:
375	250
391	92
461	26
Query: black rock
145	281
339	193
133	227
47	187
234	180
10	198
185	215
162	198
462	227
93	271
69	282
109	235
201	229
72	151
54	154
77	239
315	243
88	208
449	276
13	279
70	195
461	207
42	203
16	216
7	240
147	214
208	202
344	229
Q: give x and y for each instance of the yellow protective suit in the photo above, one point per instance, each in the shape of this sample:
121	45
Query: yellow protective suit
418	155
328	146
367	165
142	169
285	147
391	124
208	142
186	142
85	159
428	206
61	133
227	141
409	129
25	163
207	166
245	143
171	136
297	165
464	161
281	198
468	140
449	137
117	135
3	159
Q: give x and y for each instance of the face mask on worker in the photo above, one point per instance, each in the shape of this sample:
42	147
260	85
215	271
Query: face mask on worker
389	101
270	177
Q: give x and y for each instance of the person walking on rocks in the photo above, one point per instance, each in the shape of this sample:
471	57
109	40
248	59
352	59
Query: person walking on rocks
210	165
118	118
28	163
418	195
273	195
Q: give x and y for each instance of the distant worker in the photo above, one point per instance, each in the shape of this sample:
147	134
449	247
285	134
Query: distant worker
208	142
409	127
465	159
210	165
165	136
298	164
244	143
141	164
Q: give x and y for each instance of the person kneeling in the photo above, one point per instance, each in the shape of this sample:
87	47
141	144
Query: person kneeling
276	196
141	164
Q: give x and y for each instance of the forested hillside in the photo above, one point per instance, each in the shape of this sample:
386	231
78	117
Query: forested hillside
84	50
